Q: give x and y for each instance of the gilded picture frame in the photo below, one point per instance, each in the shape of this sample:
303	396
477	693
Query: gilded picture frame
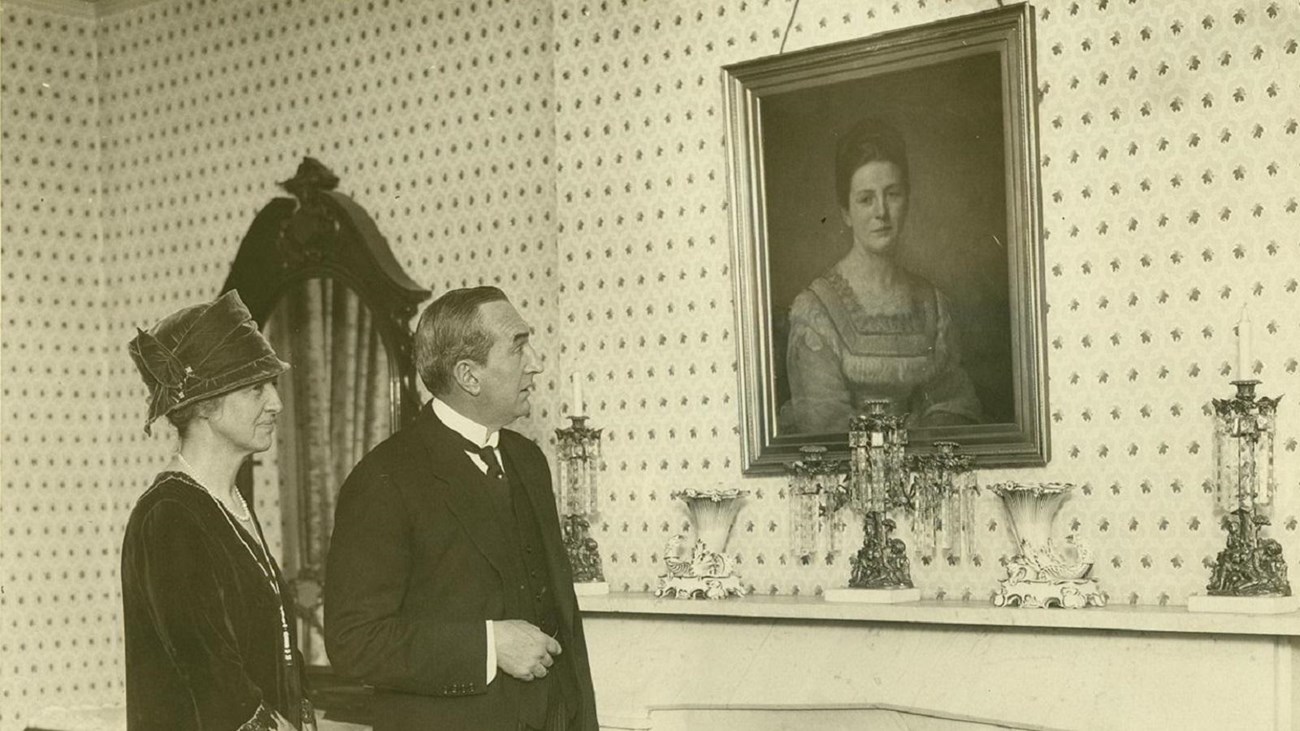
961	93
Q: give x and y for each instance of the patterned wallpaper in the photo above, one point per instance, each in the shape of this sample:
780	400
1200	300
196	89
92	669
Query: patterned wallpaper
1169	183
438	119
59	630
207	105
573	153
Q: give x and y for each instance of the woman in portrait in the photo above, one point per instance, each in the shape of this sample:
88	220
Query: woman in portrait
867	329
209	643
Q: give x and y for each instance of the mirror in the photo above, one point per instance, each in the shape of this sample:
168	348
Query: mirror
337	407
322	281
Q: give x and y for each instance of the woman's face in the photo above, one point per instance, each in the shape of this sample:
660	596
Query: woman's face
246	417
877	206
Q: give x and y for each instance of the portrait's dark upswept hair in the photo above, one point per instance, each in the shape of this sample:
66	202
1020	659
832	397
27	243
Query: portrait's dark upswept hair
450	331
870	140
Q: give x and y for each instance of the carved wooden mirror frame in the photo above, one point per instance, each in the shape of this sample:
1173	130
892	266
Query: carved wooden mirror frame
322	234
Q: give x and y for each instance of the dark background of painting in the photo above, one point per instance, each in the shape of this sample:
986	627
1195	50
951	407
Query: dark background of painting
950	115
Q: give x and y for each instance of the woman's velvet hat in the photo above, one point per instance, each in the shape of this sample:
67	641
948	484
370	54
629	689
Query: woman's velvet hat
201	352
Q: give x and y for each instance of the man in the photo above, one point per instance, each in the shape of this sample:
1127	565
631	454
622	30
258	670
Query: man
447	585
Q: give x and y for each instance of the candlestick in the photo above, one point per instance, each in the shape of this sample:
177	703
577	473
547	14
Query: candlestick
576	499
1243	345
1251	566
577	408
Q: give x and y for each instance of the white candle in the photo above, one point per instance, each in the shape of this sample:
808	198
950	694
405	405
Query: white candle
576	407
1243	346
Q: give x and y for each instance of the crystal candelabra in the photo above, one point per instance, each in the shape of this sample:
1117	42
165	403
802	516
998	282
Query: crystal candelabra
816	486
877	483
938	490
1250	565
579	462
941	492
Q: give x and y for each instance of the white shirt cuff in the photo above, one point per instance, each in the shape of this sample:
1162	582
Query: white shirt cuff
491	653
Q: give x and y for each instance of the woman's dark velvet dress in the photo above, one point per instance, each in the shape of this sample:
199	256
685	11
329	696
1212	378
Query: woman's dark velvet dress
204	644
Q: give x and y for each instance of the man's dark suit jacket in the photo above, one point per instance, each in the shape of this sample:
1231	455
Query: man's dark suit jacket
418	562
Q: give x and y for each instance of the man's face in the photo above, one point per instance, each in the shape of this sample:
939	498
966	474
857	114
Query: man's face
506	379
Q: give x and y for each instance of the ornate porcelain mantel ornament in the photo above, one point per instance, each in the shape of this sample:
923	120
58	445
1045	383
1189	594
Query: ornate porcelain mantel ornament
1043	573
704	569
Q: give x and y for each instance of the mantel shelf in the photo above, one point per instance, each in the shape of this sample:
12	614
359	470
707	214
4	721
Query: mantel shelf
1123	618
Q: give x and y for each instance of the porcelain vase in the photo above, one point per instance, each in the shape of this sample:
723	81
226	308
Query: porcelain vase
702	568
1043	573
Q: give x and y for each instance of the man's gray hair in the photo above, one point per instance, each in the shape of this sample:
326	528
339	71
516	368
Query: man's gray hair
451	330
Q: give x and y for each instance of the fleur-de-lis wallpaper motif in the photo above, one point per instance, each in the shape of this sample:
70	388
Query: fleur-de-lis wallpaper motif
573	153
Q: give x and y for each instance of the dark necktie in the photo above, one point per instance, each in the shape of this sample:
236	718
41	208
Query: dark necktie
495	474
489	457
485	453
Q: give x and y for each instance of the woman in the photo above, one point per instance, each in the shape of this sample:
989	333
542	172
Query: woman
867	329
209	644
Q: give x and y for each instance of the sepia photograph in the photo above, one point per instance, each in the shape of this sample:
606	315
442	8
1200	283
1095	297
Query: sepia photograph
743	365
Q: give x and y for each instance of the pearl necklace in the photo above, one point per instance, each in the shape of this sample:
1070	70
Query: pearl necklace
264	563
234	490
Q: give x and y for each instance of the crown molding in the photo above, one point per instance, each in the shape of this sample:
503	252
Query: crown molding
112	7
78	8
66	8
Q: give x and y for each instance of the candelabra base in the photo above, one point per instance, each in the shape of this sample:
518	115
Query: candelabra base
873	596
882	562
590	588
584	553
1250	565
1059	593
1243	604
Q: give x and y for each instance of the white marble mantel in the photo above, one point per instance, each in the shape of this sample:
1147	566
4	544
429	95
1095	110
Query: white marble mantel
656	661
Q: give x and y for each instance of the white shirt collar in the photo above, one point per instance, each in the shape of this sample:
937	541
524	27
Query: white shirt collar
463	425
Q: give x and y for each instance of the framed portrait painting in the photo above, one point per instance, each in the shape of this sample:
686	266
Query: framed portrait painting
887	241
